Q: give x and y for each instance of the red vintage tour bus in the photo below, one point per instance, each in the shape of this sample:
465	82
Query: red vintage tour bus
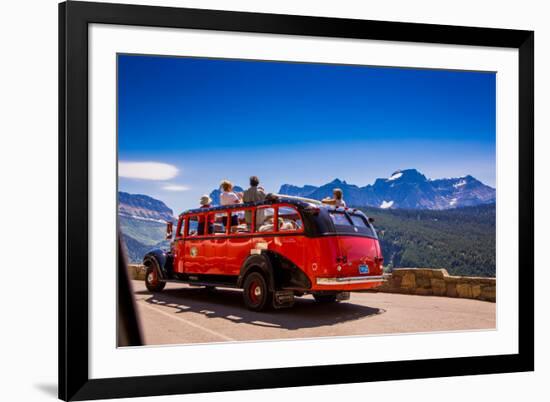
274	250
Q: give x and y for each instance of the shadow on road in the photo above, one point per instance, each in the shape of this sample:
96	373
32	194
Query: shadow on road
228	304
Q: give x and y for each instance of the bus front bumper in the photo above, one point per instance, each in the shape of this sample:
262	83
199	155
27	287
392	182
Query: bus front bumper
351	280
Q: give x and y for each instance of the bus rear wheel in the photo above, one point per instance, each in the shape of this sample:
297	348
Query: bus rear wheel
256	294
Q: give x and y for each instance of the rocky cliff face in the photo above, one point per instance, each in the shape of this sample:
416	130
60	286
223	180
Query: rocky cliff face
140	206
142	223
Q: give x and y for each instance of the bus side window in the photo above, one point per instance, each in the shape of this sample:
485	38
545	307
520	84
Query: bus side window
264	219
193	226
239	222
220	223
289	219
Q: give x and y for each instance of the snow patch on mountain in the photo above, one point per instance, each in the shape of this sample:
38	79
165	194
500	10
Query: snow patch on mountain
395	176
460	183
386	204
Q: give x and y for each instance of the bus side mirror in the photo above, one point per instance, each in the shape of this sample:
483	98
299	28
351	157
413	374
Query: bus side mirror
371	220
169	230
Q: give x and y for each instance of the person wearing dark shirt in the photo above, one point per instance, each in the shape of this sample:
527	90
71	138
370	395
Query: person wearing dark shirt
253	194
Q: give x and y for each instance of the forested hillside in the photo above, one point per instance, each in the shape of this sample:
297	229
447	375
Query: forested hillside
461	240
141	236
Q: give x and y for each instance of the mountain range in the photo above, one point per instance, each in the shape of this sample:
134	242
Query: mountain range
404	189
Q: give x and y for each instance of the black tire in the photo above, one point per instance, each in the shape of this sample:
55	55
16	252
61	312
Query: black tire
256	294
152	281
324	298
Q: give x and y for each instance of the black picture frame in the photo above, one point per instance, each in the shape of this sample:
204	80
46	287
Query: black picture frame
74	18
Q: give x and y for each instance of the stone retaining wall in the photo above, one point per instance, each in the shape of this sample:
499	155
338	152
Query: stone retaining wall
417	281
438	282
136	271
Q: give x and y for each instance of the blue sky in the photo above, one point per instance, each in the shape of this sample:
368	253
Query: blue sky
186	123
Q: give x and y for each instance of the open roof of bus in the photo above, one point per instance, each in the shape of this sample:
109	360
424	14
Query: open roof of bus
293	197
271	198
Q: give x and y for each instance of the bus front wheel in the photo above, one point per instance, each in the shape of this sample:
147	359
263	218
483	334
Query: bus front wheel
256	294
152	280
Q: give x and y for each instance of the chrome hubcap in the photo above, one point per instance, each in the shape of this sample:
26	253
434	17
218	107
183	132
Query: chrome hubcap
150	277
257	291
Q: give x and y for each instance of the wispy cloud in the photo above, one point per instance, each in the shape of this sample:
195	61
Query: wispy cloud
175	187
147	170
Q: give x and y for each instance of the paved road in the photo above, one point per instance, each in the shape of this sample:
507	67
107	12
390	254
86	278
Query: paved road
183	314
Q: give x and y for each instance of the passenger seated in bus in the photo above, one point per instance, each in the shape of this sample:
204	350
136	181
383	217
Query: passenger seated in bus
286	224
218	228
240	228
337	200
267	225
205	202
239	218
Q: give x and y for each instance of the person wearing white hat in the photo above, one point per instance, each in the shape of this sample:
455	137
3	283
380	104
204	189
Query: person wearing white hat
205	202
